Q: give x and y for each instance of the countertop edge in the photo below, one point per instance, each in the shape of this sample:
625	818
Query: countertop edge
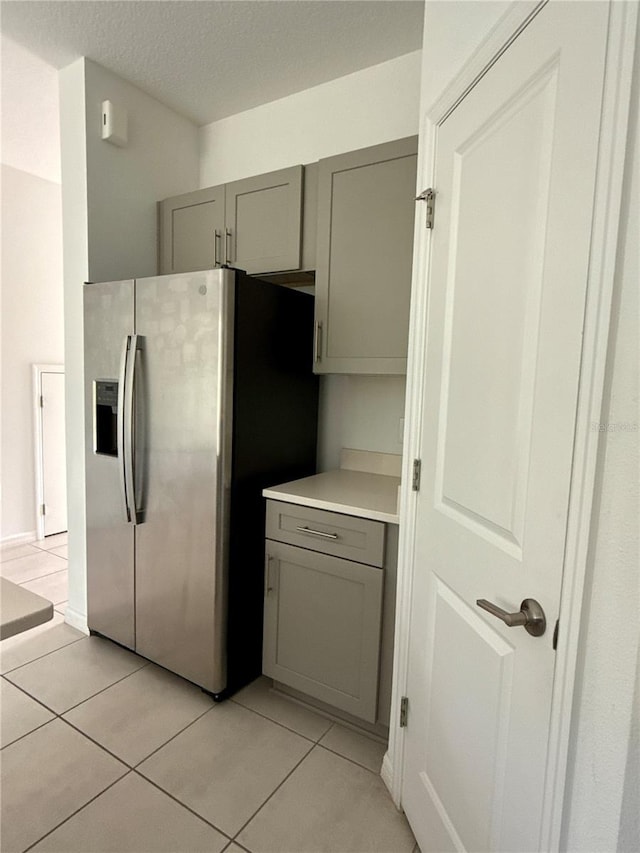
332	506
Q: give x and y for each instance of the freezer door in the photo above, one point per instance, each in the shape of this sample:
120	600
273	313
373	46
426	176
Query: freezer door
183	448
108	320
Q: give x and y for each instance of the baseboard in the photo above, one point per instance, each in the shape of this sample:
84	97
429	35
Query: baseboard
76	620
18	539
386	773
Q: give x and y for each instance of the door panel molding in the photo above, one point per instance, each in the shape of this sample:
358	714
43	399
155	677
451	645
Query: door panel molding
461	628
602	260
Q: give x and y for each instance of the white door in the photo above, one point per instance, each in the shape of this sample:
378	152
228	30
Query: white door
53	453
514	179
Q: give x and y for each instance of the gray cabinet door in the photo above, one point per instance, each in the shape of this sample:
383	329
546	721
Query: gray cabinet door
322	627
263	221
363	259
192	231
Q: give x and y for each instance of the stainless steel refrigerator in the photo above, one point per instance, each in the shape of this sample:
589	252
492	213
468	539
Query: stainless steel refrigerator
199	392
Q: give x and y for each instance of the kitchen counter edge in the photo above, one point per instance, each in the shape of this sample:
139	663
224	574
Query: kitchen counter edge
330	491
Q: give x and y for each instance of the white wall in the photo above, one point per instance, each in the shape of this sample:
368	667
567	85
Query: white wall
375	105
30	116
32	315
110	233
602	787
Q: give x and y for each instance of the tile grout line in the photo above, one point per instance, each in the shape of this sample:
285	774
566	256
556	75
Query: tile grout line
40	657
77	705
199	717
325	715
278	723
137	770
38	577
36	551
95	742
102	690
237	843
184	805
37	701
275	790
79	809
26	734
317	742
351	760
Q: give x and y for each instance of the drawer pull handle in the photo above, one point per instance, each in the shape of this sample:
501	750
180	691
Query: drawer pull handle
317	533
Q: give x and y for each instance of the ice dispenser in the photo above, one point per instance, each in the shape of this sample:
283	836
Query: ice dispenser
106	417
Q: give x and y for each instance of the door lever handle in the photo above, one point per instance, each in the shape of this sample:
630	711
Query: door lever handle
530	616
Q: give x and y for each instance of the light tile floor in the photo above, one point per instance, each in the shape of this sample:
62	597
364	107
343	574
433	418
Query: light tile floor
39	566
103	751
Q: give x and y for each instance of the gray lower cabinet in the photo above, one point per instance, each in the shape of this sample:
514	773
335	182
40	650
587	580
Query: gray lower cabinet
364	248
322	619
253	224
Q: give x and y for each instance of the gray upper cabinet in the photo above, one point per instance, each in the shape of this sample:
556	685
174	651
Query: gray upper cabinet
263	217
254	224
364	252
191	231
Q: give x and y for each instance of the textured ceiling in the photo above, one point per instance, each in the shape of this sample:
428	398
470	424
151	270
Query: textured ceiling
208	59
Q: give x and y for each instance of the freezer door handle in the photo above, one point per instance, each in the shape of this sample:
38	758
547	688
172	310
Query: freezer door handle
122	427
135	344
126	426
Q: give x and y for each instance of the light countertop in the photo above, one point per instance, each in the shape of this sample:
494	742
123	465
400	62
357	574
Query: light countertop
21	609
358	493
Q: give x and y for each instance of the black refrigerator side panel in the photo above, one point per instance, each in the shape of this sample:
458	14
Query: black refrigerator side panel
274	441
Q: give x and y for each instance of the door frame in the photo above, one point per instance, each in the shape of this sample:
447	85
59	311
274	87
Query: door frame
603	254
36	371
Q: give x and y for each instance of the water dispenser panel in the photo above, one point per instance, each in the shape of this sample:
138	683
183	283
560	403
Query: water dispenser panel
106	417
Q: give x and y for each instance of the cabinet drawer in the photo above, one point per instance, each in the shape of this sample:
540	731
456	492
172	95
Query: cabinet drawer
322	627
347	536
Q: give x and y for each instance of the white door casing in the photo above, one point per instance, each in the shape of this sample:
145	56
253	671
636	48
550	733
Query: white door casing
503	362
51	489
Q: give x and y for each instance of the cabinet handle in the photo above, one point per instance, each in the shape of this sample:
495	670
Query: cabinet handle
216	245
269	577
318	533
227	246
317	342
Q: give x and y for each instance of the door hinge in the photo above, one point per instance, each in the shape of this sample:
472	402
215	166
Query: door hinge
41	401
428	196
404	710
43	509
417	469
555	635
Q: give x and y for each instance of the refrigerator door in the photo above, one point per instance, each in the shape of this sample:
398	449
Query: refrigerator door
182	471
108	321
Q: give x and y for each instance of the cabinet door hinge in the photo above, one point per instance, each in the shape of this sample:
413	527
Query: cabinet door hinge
428	196
404	709
555	635
415	481
41	401
43	509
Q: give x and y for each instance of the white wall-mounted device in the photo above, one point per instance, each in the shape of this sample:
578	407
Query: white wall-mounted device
114	124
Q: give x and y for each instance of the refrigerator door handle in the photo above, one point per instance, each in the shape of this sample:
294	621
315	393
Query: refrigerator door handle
137	449
135	343
122	426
